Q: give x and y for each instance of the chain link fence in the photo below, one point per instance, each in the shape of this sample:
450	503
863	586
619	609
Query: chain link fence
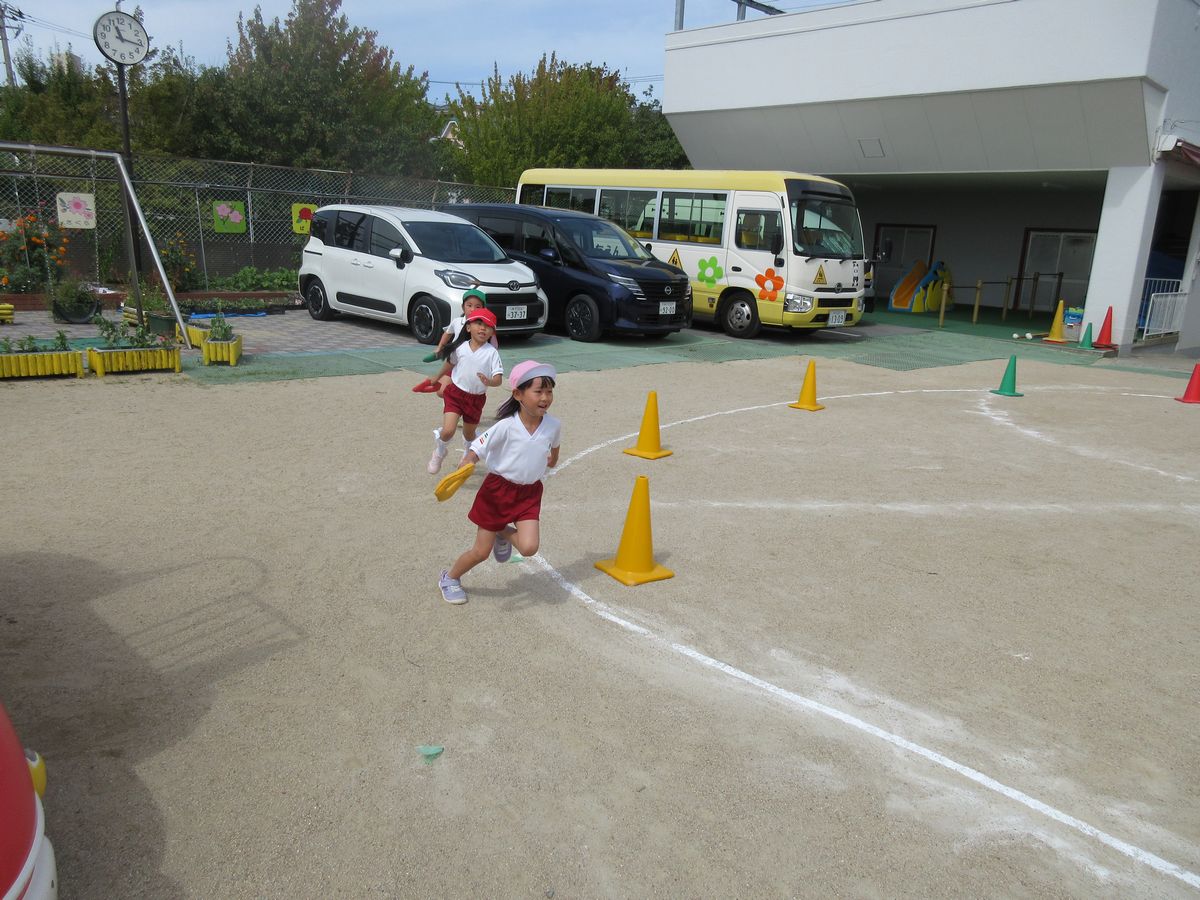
227	215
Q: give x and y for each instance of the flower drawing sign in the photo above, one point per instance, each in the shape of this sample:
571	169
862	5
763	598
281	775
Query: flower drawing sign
229	216
76	210
302	214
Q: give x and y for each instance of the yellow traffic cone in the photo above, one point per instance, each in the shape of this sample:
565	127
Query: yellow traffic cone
634	562
648	446
808	393
1056	328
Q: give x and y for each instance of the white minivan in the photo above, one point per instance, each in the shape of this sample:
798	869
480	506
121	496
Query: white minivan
412	266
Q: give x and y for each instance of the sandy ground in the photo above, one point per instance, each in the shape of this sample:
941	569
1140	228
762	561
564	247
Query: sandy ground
927	642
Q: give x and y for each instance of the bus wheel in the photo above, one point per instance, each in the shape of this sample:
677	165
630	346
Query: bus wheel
739	316
583	319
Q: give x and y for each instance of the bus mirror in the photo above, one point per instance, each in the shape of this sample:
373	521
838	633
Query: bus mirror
777	243
648	248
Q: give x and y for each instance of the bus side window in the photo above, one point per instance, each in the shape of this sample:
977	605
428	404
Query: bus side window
532	194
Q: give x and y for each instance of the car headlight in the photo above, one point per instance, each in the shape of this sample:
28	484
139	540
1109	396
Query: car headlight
460	280
629	284
862	304
797	303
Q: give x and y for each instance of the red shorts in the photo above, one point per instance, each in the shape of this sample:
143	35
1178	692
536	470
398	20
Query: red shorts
469	406
500	503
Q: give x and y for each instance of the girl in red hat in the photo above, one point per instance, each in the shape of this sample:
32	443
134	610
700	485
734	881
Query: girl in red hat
518	450
476	367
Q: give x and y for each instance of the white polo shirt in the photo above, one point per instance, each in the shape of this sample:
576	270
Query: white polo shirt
511	452
469	364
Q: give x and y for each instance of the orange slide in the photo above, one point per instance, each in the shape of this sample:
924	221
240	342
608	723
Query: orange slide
902	294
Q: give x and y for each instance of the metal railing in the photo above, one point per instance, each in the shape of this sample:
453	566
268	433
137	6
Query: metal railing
1164	314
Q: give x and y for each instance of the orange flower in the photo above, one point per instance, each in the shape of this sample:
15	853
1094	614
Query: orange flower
66	240
769	285
4	280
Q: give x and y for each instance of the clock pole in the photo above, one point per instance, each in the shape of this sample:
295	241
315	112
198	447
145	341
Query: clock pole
123	102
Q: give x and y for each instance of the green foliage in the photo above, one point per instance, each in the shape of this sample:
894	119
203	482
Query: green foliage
28	344
32	254
180	264
219	329
117	335
61	342
251	278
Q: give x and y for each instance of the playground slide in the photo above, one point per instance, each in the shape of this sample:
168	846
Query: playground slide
928	295
902	294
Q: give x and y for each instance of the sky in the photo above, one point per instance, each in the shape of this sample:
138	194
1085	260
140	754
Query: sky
452	40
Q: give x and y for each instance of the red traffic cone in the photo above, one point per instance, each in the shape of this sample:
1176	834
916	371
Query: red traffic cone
1192	394
1104	342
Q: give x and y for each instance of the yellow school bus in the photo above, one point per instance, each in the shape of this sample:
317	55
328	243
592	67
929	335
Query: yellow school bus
760	248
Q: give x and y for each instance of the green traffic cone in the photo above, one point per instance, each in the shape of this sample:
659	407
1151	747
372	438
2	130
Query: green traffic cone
1008	387
1085	343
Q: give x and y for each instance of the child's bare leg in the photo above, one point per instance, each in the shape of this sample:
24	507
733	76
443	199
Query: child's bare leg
469	430
449	426
527	537
477	554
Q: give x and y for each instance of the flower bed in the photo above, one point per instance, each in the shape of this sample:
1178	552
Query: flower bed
37	365
133	359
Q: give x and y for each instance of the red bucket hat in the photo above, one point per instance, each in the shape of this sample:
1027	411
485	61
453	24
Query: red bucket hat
482	315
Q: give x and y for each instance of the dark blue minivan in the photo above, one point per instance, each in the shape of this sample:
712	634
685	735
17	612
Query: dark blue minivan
597	277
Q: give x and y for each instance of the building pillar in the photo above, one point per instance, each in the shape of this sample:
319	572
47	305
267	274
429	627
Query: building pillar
1127	219
1189	330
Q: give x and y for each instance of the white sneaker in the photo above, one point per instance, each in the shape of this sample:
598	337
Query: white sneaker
452	589
435	463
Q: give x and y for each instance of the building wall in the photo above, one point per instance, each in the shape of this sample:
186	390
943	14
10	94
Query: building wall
1173	64
979	233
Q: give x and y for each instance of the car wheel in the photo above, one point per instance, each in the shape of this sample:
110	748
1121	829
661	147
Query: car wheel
424	321
739	316
318	303
583	319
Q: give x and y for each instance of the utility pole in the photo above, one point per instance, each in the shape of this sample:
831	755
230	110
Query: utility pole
5	12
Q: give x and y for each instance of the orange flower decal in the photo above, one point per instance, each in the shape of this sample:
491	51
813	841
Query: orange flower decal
769	285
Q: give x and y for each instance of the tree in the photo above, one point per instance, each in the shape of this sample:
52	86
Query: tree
655	146
314	91
561	115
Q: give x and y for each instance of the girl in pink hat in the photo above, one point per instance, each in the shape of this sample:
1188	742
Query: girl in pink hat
476	367
518	450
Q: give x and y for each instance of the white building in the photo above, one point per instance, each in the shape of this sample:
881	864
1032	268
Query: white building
1005	137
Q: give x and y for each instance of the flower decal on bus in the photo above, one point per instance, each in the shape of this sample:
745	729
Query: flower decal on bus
769	285
709	272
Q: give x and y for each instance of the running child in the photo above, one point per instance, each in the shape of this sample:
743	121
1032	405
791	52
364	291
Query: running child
518	450
476	367
452	335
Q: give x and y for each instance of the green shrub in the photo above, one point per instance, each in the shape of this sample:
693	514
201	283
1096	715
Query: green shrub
251	278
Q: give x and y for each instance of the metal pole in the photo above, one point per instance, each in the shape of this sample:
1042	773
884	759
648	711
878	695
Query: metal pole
1033	293
978	297
200	225
8	69
1007	294
942	306
679	15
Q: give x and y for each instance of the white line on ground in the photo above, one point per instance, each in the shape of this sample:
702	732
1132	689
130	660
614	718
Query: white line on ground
1145	857
1131	851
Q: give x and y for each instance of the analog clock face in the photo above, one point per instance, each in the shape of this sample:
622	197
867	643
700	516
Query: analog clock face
121	38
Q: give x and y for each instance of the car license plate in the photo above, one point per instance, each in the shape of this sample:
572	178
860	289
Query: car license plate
666	309
837	317
515	312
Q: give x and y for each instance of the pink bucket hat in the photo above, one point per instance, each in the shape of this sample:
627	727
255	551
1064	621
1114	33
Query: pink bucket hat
529	370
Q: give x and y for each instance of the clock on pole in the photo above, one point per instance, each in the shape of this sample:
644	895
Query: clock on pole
121	38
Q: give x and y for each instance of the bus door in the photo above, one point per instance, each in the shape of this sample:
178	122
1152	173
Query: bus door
756	258
691	229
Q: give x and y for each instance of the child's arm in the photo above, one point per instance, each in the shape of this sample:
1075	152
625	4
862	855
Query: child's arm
494	381
552	459
442	372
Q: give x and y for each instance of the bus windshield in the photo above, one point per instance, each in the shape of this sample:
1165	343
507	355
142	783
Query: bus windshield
602	240
825	228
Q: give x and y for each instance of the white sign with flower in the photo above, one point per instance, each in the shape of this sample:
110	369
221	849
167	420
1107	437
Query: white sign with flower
77	210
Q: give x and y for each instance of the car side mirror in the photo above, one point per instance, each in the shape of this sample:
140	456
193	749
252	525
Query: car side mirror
777	243
402	256
649	249
549	254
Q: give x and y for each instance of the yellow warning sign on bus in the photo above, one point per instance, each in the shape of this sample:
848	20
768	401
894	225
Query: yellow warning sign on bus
674	260
820	279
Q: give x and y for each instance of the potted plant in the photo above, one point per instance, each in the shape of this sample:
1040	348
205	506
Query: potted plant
31	358
160	319
74	302
136	351
221	345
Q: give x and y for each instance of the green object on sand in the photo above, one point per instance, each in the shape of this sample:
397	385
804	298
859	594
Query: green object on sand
1008	385
429	358
430	752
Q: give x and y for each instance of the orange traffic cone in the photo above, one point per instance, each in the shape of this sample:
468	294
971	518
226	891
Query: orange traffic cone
1056	328
634	563
1104	342
1192	394
648	444
808	391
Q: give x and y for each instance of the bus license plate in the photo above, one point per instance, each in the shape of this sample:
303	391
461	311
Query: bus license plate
837	317
666	309
516	312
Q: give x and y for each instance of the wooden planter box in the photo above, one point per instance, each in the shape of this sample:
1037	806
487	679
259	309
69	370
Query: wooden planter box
34	365
132	360
197	334
222	351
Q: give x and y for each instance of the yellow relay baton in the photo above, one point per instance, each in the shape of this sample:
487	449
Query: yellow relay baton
447	487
